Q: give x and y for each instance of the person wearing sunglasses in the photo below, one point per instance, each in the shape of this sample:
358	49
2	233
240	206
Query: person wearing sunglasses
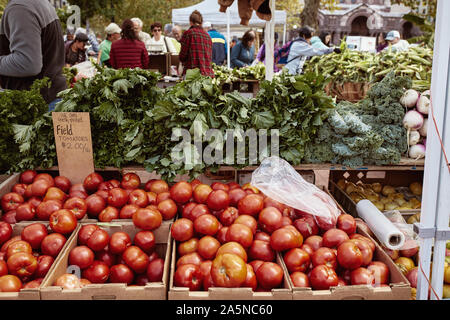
158	39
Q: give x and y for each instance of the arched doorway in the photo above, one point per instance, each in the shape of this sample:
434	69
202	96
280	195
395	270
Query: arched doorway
359	27
407	30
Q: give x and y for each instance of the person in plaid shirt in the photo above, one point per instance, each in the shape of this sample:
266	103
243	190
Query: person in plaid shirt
196	47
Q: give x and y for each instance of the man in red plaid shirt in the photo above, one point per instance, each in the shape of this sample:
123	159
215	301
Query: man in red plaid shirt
196	47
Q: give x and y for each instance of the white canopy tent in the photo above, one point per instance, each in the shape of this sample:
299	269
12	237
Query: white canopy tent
210	12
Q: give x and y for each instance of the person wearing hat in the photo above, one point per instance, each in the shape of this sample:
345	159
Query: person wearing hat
219	53
112	34
395	43
31	47
75	50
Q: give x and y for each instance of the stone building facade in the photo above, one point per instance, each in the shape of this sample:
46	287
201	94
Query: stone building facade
365	18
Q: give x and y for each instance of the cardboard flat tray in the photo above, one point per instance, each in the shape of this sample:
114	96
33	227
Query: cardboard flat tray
109	291
32	294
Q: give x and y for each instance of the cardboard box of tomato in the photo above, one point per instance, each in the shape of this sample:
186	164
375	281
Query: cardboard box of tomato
118	260
27	254
342	262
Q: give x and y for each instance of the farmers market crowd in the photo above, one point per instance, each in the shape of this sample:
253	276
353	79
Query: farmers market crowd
29	51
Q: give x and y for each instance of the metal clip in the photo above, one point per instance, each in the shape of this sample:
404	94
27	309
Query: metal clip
423	232
443	234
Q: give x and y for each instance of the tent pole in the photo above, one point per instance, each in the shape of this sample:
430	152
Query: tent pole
284	34
269	38
228	39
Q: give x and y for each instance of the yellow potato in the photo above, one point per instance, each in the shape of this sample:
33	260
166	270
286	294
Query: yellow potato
390	206
379	205
356	197
350	187
387	190
377	187
416	188
400	201
373	197
341	184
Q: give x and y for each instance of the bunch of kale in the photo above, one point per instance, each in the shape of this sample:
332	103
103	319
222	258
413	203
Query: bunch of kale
367	132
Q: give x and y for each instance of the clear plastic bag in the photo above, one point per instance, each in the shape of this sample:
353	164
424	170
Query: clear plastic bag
277	179
411	237
85	70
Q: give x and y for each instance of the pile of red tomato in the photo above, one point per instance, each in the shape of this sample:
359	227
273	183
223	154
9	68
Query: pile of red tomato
228	236
114	259
25	259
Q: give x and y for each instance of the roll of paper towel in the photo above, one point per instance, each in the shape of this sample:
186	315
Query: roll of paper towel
382	227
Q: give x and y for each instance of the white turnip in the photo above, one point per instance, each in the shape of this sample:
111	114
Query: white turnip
409	98
417	151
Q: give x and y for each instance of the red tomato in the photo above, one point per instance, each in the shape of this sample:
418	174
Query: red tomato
307	226
240	233
201	193
261	250
235	195
97	272
81	256
85	233
349	256
323	277
127	211
228	270
77	206
346	223
141	280
44	264
380	271
5	232
188	275
366	251
297	260
139	197
362	276
181	192
269	275
168	209
108	214
155	270
333	238
46	208
10	283
187	209
361	237
198	210
412	246
205	270
145	240
11	201
206	224
269	202
5	246
9	217
147	219
45	176
228	216
220	186
247	220
35	202
39	187
182	229
68	281
270	219
63	221
118	242
17	247
117	197
157	186
221	235
136	259
285	238
233	248
27	176
152	197
251	204
62	183
54	193
25	212
22	264
218	200
95	205
19	188
162	196
3	268
106	256
315	242
92	182
52	244
33	284
121	273
130	181
207	247
324	256
299	279
250	280
188	246
190	258
98	240
256	264
34	234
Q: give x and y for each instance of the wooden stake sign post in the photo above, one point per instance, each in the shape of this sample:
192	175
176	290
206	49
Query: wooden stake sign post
73	145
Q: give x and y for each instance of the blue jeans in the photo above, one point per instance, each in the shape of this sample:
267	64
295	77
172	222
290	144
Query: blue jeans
51	106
